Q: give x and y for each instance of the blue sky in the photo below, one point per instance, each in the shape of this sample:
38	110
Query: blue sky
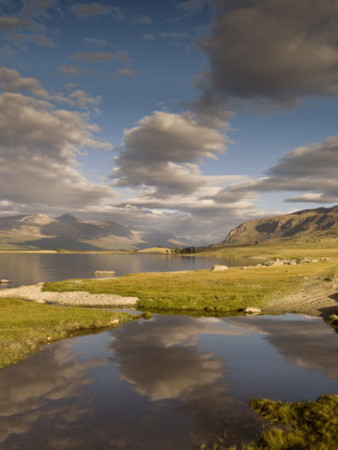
186	116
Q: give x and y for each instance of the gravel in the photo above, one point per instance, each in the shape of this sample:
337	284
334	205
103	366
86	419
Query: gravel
35	294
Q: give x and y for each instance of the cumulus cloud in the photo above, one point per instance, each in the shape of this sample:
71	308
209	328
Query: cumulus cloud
38	149
311	170
22	28
8	23
277	50
36	8
161	154
160	160
12	81
83	99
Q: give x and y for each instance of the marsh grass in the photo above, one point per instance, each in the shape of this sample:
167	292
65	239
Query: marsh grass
311	425
26	325
300	425
204	290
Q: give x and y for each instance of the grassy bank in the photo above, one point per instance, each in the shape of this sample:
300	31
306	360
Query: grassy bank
25	325
283	249
201	290
311	425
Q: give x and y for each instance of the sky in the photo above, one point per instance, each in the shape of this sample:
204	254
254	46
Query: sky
188	116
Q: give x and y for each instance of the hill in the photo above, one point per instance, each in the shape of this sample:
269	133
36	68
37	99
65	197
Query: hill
41	232
307	224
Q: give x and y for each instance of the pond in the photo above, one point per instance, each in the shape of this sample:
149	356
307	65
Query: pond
170	382
31	268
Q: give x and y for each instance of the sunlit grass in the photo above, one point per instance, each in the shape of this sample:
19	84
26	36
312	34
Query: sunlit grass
204	289
25	325
311	425
327	247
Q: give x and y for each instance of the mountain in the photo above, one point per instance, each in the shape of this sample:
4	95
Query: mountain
41	232
306	224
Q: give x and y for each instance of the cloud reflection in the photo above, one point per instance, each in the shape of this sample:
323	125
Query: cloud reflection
47	386
306	343
165	361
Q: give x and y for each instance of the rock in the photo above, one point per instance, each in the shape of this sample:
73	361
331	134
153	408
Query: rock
219	268
115	322
104	273
252	310
4	281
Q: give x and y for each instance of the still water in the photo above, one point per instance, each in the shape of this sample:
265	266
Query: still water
167	383
23	269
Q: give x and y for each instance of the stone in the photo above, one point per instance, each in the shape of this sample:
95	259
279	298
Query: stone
252	310
104	273
3	281
219	268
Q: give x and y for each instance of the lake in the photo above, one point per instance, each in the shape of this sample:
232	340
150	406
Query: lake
31	268
167	383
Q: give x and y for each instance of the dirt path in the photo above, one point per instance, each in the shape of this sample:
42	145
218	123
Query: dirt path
315	298
34	293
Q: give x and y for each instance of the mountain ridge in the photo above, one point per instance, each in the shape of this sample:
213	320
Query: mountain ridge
305	224
41	232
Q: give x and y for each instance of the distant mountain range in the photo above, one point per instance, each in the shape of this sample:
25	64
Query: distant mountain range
41	232
301	225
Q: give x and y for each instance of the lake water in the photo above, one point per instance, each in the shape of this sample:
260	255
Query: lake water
167	383
31	268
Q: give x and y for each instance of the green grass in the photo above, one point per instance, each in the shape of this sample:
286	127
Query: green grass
311	425
25	325
300	425
283	249
205	290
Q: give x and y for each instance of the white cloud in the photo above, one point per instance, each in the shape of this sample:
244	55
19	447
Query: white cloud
83	99
38	149
160	154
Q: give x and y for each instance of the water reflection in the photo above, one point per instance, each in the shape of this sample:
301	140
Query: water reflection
169	382
304	341
165	361
47	387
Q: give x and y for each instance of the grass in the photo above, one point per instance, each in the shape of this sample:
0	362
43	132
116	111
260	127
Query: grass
300	425
283	249
311	425
24	326
205	290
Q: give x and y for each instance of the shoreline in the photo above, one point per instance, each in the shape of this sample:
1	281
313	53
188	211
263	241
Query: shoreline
318	298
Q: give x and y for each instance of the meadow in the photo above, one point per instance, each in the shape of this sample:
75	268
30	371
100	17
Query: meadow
24	326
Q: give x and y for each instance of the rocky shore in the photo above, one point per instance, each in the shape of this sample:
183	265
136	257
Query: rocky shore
35	293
